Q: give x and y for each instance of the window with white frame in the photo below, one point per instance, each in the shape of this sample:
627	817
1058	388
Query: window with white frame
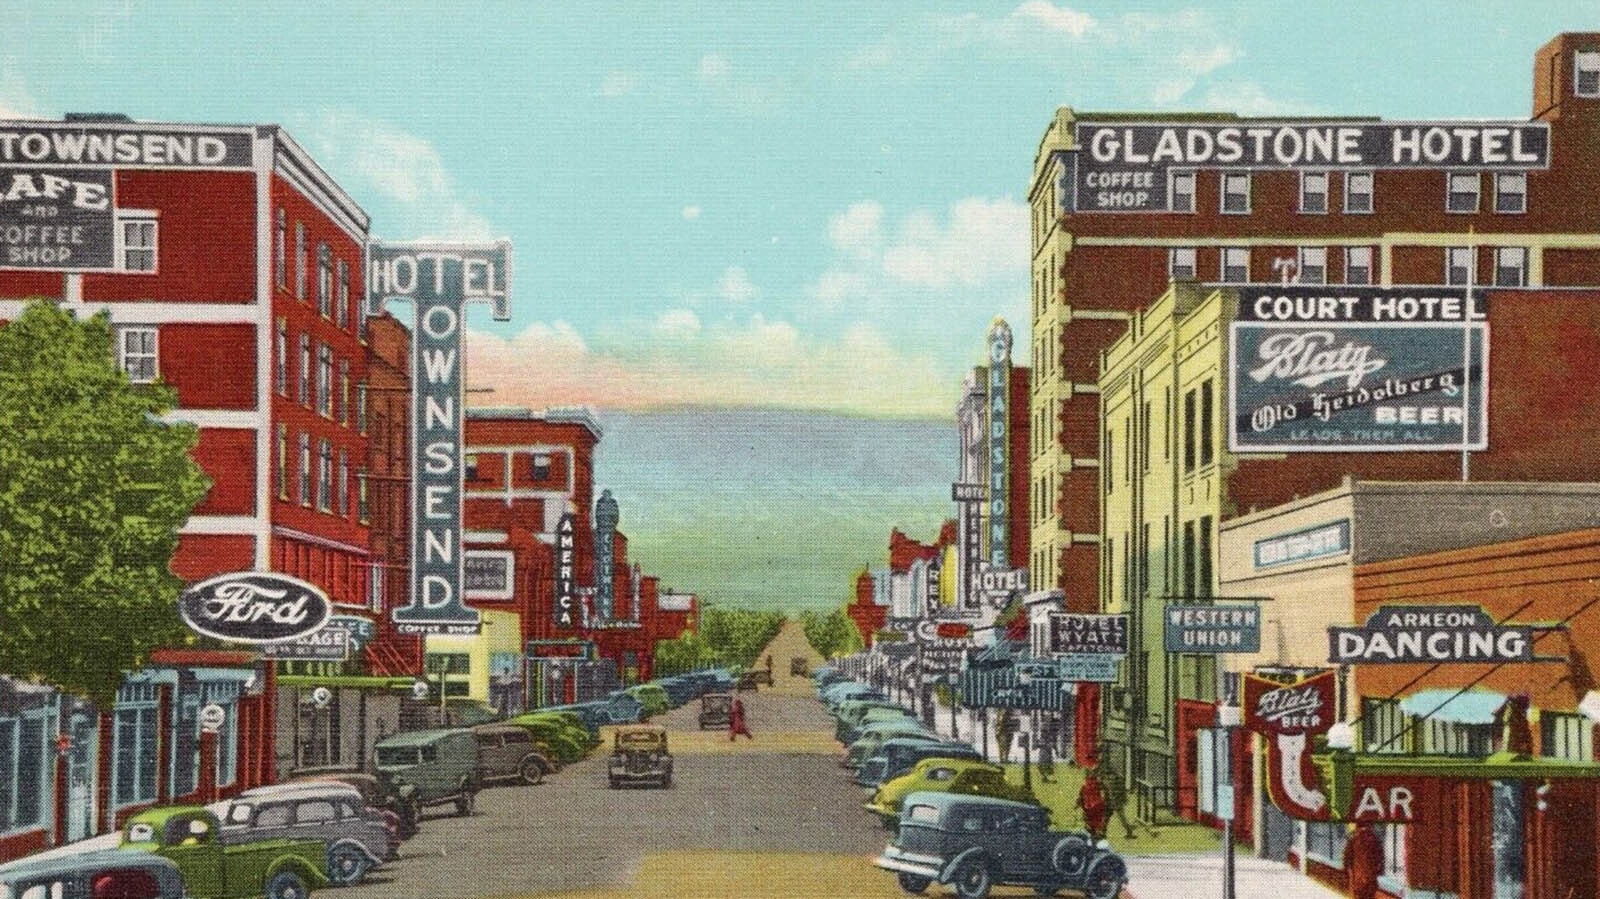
1181	262
325	380
324	476
1313	266
1358	192
1314	192
375	586
1383	727
300	261
324	280
1181	192
363	503
137	355
27	744
1358	265
137	232
361	407
1325	842
134	744
280	249
1459	266
1586	73
1511	192
344	392
280	377
1394	851
344	295
1236	193
305	369
1566	736
1235	265
1511	266
305	469
283	461
344	484
1462	191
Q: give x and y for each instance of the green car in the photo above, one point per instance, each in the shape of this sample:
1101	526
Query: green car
653	697
431	767
848	732
554	737
969	777
191	838
572	721
870	739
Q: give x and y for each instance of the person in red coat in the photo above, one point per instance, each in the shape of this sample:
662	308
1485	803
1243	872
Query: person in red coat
1363	862
1092	799
736	722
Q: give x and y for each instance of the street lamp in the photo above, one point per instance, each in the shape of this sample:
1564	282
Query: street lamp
1229	717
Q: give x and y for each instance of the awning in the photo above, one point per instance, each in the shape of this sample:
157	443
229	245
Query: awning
1471	707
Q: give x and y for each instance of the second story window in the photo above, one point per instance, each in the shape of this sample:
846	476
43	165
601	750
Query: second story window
1586	73
1358	192
136	354
344	295
361	408
1511	192
541	467
300	261
305	469
1313	265
1511	267
324	281
324	476
281	376
344	484
1235	265
1314	192
305	369
283	461
1463	192
1182	191
344	392
325	380
1358	265
470	466
138	242
1206	426
1459	266
1181	262
1236	193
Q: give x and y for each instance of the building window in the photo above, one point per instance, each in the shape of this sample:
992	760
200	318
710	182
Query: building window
1235	265
1566	736
1313	267
361	407
363	503
280	249
324	476
324	280
300	261
470	466
1108	461
1436	737
283	461
1394	851
1586	73
1188	431
1358	192
136	354
138	236
1188	560
1358	265
344	295
1144	440
344	392
1127	449
1181	191
1325	842
1459	266
1383	726
541	468
1463	191
1181	262
344	484
134	743
1236	193
280	376
305	469
305	369
1511	192
325	380
1314	192
1511	267
1206	448
1203	557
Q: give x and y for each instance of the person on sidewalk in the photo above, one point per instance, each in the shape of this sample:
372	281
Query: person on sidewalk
1092	800
1363	862
736	721
1116	796
1047	751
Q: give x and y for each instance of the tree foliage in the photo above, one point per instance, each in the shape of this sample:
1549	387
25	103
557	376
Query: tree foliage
727	637
93	488
831	634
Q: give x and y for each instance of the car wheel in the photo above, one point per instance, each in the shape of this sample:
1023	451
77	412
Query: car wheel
1070	855
973	879
914	884
465	802
347	864
531	771
287	885
1106	878
666	781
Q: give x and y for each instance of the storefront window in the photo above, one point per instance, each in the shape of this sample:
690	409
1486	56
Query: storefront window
1567	736
1383	726
1325	842
134	745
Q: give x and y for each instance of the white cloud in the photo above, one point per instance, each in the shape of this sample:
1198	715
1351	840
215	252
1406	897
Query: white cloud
858	230
1055	18
714	67
690	213
619	83
736	91
735	286
677	324
16	102
1249	98
406	169
981	239
835	287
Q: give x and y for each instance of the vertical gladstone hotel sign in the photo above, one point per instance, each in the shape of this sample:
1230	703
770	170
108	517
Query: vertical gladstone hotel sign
438	279
999	441
1128	166
58	197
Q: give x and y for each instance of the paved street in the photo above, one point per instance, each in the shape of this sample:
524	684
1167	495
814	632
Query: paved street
1200	877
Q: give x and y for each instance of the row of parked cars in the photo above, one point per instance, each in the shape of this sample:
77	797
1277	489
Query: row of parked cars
321	827
955	817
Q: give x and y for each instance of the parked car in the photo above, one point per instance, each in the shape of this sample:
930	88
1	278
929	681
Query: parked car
715	710
553	738
441	766
839	693
679	689
850	729
102	874
959	776
652	697
507	752
899	755
376	792
358	838
873	737
639	755
591	716
571	721
624	708
213	868
975	844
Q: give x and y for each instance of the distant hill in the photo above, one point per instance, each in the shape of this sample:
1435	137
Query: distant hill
772	508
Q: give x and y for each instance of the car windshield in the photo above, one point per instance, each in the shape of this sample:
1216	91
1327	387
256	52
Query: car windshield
923	814
239	813
640	740
397	756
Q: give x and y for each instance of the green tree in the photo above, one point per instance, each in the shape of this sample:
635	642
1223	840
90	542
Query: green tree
93	488
726	637
831	634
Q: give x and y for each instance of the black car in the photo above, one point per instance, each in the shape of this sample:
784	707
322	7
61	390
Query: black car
974	844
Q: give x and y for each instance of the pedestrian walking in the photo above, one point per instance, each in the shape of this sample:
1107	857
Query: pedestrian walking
1047	751
1363	862
736	722
1092	800
1116	791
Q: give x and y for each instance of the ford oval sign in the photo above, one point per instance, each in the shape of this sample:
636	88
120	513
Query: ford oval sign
254	607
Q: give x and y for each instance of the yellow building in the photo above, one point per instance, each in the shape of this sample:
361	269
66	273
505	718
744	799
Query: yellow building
470	660
1163	467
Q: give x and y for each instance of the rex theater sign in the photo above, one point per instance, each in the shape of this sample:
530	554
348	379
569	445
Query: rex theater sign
438	279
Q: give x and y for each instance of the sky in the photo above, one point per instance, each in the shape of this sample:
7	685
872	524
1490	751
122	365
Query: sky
810	205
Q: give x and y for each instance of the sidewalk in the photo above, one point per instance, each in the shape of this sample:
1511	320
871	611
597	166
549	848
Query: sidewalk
1200	877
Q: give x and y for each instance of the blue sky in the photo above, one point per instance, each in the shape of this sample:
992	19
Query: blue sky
816	205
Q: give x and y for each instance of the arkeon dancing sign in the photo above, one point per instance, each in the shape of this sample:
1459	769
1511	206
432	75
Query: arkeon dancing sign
438	279
1357	369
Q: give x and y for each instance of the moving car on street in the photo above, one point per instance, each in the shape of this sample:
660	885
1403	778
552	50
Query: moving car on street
960	776
639	756
105	874
439	766
976	844
358	838
506	752
214	868
715	710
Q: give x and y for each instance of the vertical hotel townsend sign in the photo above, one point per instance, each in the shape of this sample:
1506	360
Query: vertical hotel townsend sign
438	280
999	441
